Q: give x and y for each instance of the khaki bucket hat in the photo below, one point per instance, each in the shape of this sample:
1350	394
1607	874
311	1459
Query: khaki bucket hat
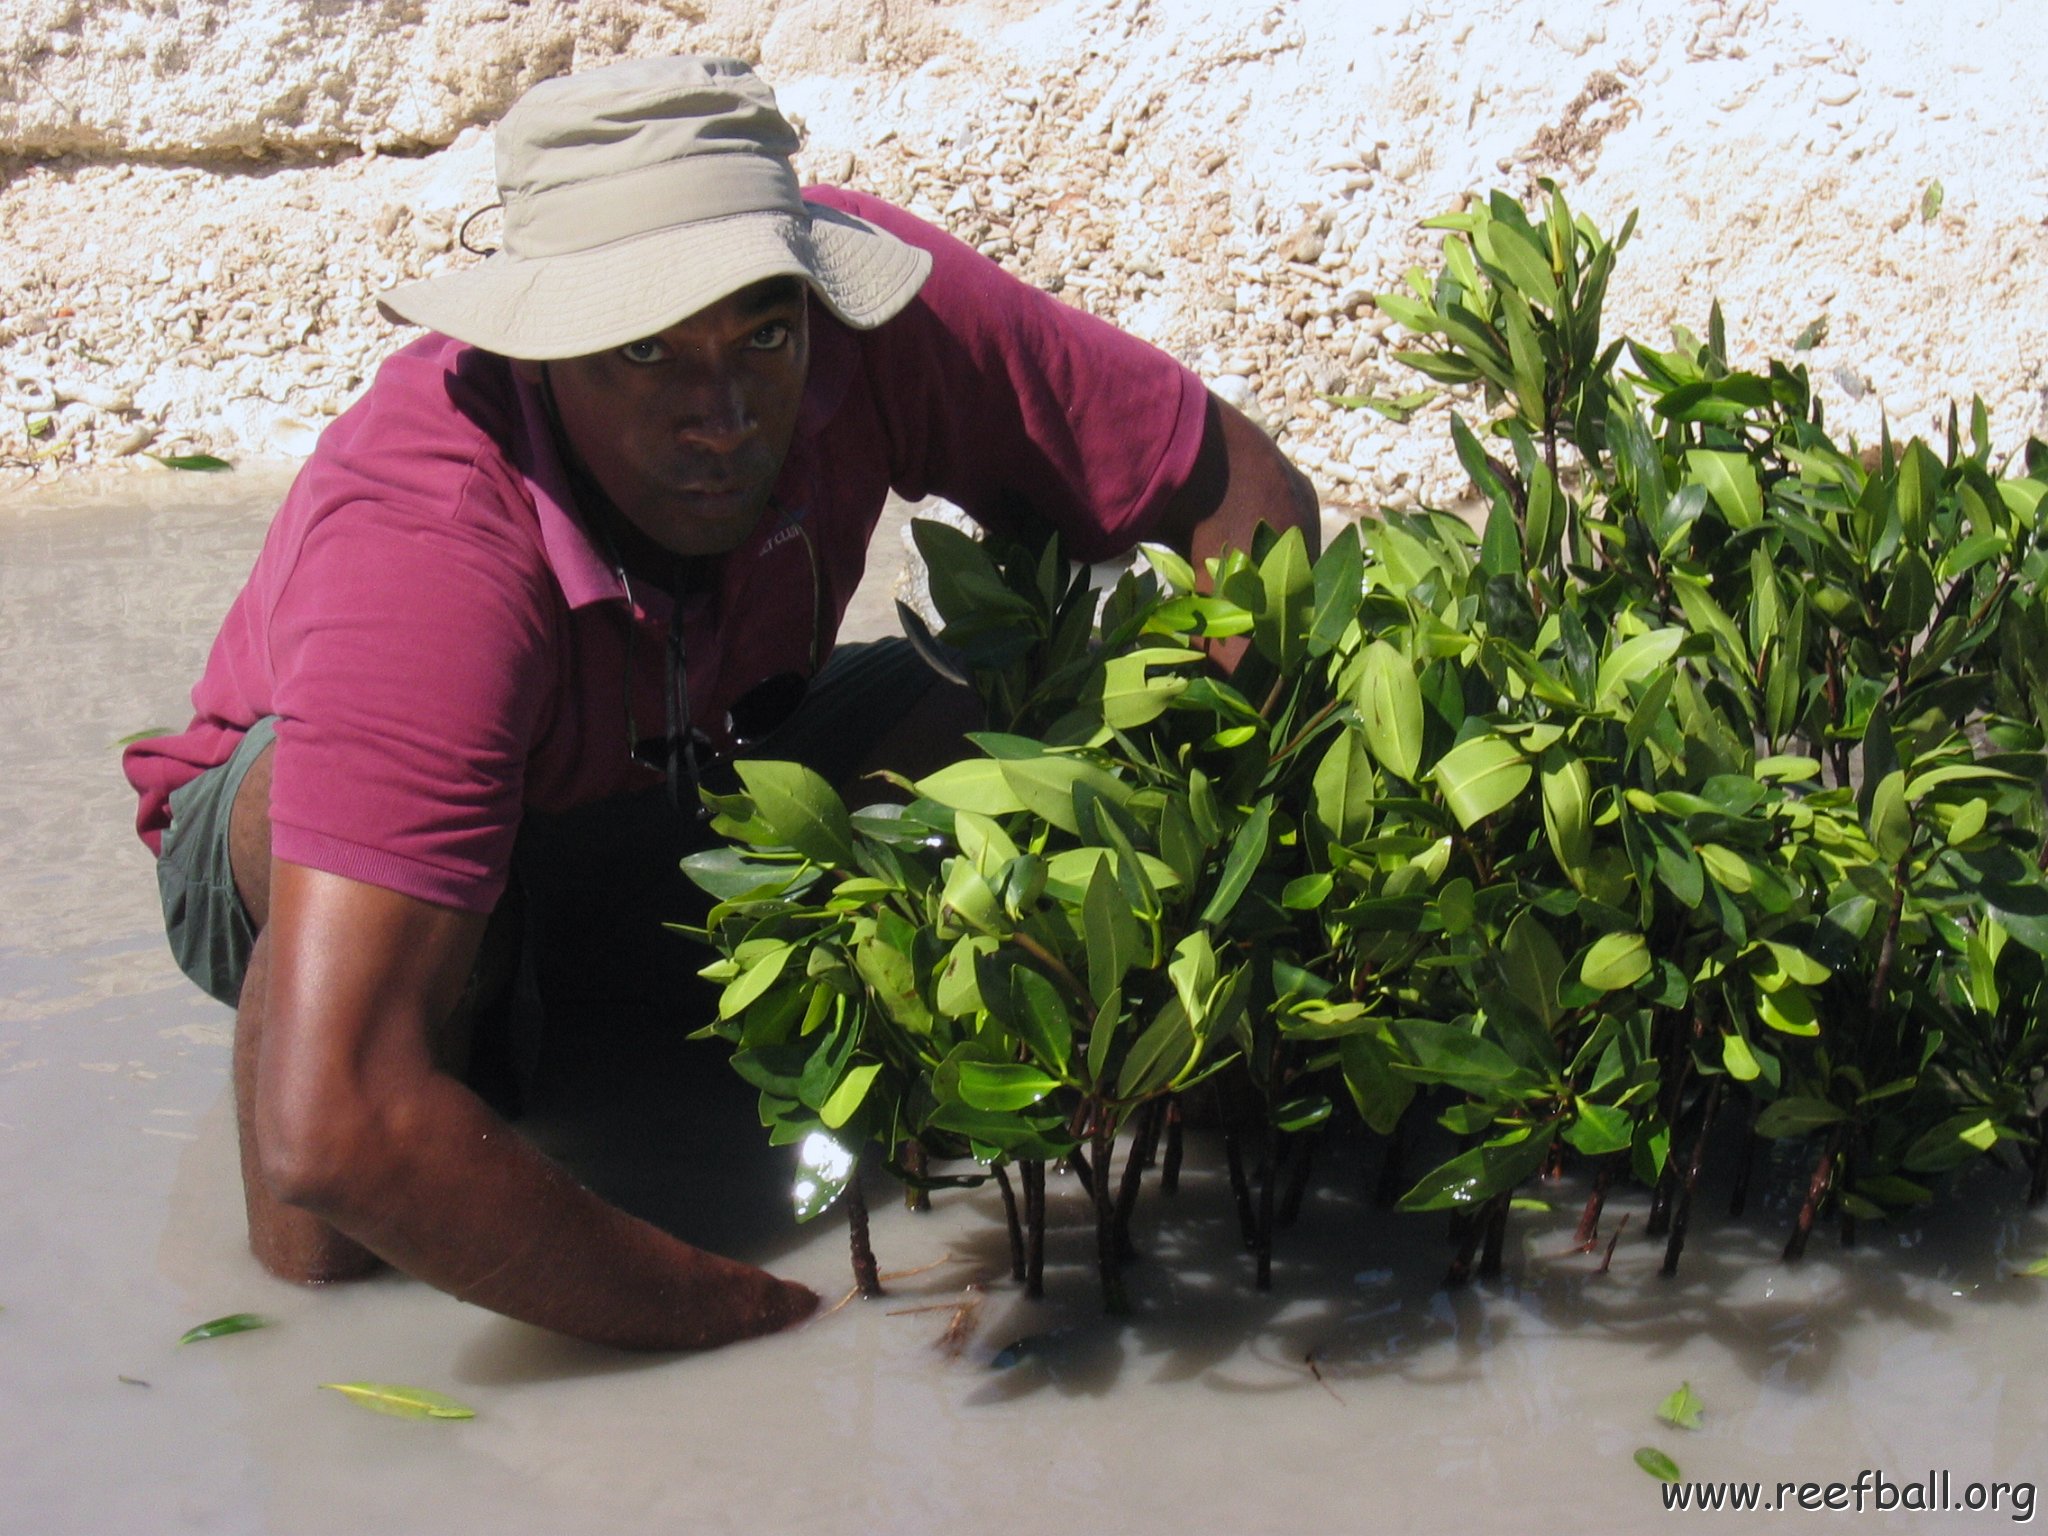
637	194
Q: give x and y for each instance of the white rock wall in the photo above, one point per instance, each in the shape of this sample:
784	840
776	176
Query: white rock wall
204	198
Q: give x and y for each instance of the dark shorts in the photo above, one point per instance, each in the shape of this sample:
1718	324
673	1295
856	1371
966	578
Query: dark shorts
602	875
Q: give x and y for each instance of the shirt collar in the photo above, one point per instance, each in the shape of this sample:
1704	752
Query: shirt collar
580	567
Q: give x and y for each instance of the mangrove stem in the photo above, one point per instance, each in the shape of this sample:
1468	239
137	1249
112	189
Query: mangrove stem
1301	1156
1816	1191
1034	1228
1596	1202
1107	1259
915	1163
867	1275
1169	1165
1233	1157
1262	1249
1493	1221
1012	1221
1683	1213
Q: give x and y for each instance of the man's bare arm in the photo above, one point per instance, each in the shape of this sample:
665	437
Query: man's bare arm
1240	480
357	1125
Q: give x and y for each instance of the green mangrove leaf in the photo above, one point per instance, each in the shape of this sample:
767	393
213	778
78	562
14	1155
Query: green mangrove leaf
1486	1170
1344	789
1164	1050
1046	786
1247	853
754	982
1634	660
1339	585
999	1085
1281	627
1067	874
1306	892
1380	1092
973	784
1132	696
1533	966
1614	961
400	1402
846	1099
1891	821
800	809
1730	478
1789	1010
1481	775
1796	1116
1390	709
1443	1052
1042	1020
1737	1057
1599	1129
1568	812
203	463
1657	1464
893	977
1952	1143
1303	1113
823	1170
1682	1408
2034	1270
221	1327
1174	570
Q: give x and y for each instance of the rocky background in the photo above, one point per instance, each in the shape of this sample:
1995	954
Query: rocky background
201	198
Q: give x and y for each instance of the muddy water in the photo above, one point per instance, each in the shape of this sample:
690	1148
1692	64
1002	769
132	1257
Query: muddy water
1357	1396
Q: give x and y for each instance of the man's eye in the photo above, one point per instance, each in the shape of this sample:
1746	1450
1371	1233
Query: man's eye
642	352
772	335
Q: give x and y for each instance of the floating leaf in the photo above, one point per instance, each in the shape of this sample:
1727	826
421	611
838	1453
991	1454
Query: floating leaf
400	1402
164	730
2037	1269
1657	1464
1681	1408
203	463
221	1327
1930	202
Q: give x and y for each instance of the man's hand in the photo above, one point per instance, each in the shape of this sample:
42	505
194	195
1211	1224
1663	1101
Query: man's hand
1240	480
355	1123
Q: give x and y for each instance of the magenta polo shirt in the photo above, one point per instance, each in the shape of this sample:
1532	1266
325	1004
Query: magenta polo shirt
444	645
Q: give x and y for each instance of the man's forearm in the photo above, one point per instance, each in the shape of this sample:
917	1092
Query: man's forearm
444	1190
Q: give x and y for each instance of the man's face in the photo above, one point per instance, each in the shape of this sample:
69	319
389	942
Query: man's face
687	430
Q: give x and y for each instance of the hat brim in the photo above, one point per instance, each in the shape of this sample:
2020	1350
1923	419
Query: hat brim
591	301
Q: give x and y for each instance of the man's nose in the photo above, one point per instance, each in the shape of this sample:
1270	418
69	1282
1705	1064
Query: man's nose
712	410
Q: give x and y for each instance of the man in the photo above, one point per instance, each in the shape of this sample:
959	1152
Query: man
590	536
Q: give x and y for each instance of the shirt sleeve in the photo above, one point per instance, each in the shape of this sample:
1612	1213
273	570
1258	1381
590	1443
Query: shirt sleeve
409	648
1005	401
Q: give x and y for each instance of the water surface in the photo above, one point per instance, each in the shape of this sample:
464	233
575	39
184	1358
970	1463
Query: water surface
1356	1396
